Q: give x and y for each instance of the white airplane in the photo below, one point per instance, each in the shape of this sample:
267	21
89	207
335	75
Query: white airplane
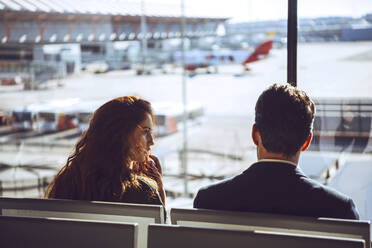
196	59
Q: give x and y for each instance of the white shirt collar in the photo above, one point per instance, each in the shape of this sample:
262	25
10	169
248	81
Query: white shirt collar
277	161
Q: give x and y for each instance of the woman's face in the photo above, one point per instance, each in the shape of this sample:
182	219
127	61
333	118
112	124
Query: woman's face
143	139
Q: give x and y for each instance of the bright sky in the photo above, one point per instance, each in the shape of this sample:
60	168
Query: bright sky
250	10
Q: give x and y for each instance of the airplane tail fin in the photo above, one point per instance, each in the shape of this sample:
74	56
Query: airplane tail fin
262	49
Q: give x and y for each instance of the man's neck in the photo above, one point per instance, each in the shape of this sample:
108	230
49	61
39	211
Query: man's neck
268	155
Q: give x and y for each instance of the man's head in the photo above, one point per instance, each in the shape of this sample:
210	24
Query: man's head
284	119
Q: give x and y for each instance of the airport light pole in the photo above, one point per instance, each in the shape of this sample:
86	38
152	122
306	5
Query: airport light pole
184	100
144	34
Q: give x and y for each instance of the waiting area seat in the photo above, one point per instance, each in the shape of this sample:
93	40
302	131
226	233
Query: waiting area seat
40	211
18	232
87	210
272	222
170	236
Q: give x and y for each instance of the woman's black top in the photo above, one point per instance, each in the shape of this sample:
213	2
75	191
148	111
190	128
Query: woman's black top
145	193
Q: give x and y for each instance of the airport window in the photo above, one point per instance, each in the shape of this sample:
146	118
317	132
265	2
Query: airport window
230	57
63	70
334	57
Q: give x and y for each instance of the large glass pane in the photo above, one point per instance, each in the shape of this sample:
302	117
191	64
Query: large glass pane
334	66
54	76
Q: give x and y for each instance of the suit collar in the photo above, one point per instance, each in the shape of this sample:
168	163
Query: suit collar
277	161
276	167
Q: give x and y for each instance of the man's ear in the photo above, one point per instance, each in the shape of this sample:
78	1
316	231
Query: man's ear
255	135
307	142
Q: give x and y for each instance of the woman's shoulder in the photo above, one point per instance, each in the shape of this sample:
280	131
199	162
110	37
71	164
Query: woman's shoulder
144	193
147	183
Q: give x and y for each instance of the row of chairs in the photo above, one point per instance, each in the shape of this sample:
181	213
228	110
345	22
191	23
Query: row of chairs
66	223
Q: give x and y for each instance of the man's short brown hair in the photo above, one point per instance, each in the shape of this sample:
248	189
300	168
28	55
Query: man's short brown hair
284	117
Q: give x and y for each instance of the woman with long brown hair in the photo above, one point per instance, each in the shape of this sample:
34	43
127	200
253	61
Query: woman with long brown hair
112	161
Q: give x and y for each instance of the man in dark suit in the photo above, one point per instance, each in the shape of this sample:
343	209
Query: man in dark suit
275	184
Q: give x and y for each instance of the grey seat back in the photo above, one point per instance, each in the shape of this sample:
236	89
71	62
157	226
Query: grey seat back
170	236
272	222
18	232
88	210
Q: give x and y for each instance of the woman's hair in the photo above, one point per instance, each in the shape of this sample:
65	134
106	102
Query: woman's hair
100	167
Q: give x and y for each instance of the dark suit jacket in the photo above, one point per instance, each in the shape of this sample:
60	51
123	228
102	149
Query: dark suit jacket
276	187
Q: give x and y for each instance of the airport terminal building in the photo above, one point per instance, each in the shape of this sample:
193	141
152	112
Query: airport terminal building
59	37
